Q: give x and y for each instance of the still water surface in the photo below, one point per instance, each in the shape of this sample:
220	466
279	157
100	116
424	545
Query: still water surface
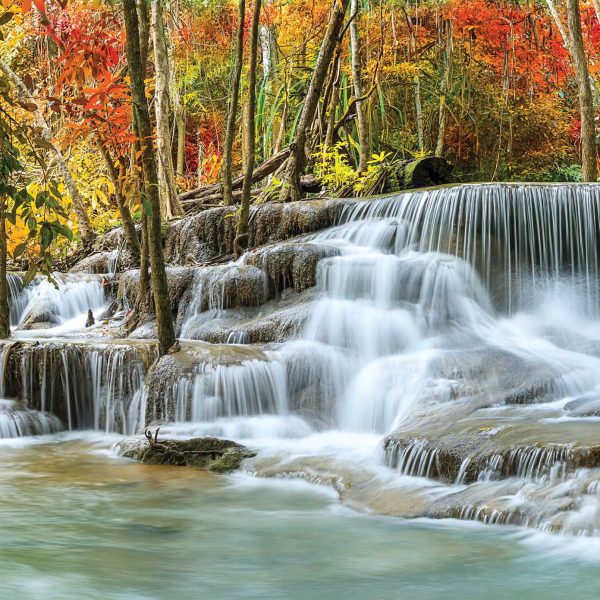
78	523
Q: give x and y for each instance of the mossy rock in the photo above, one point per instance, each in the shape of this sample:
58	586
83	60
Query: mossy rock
210	454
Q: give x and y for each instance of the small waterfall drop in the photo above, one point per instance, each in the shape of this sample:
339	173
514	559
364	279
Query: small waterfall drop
63	302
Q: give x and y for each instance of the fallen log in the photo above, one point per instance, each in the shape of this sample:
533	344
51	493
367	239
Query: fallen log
261	172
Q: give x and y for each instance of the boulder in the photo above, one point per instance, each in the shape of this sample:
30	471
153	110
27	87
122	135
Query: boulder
210	454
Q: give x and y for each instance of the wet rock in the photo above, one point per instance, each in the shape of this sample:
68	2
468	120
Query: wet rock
275	321
147	331
211	454
41	316
492	449
179	280
211	233
171	381
223	287
96	263
291	264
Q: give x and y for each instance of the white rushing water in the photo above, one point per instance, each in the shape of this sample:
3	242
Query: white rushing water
463	313
60	304
449	365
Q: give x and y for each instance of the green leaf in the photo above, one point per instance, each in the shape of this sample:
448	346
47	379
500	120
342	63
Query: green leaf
31	223
41	199
5	18
19	250
46	236
29	275
62	230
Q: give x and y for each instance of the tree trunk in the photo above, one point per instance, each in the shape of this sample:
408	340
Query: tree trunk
586	100
290	189
180	124
178	108
87	234
444	87
144	31
241	239
416	85
200	155
233	107
268	46
4	307
362	126
129	231
333	100
559	24
162	307
596	4
169	205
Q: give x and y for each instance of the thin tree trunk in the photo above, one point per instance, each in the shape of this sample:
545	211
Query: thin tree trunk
268	45
586	100
241	239
200	155
87	234
362	126
178	108
169	205
333	101
596	4
416	86
144	31
290	189
128	226
144	295
4	307
233	107
559	24
444	86
180	125
162	307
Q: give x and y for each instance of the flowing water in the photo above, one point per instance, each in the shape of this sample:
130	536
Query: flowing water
448	370
77	523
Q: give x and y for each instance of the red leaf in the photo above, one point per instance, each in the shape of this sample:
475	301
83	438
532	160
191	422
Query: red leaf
25	6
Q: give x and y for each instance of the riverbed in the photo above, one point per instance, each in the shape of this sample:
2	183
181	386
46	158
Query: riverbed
76	521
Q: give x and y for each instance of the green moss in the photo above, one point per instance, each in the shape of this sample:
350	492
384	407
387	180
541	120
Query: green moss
212	454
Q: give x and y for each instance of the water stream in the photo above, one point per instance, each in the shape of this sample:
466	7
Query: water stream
103	528
448	368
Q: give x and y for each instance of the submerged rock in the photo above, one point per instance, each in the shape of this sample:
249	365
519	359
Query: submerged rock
211	454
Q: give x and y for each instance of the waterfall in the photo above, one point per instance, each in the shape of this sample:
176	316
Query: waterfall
520	237
63	301
20	422
452	339
88	386
412	280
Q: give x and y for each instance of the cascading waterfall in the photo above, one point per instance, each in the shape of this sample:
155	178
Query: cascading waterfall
461	326
16	299
88	386
57	303
16	421
463	323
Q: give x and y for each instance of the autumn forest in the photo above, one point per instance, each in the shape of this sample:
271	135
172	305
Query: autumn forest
299	299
